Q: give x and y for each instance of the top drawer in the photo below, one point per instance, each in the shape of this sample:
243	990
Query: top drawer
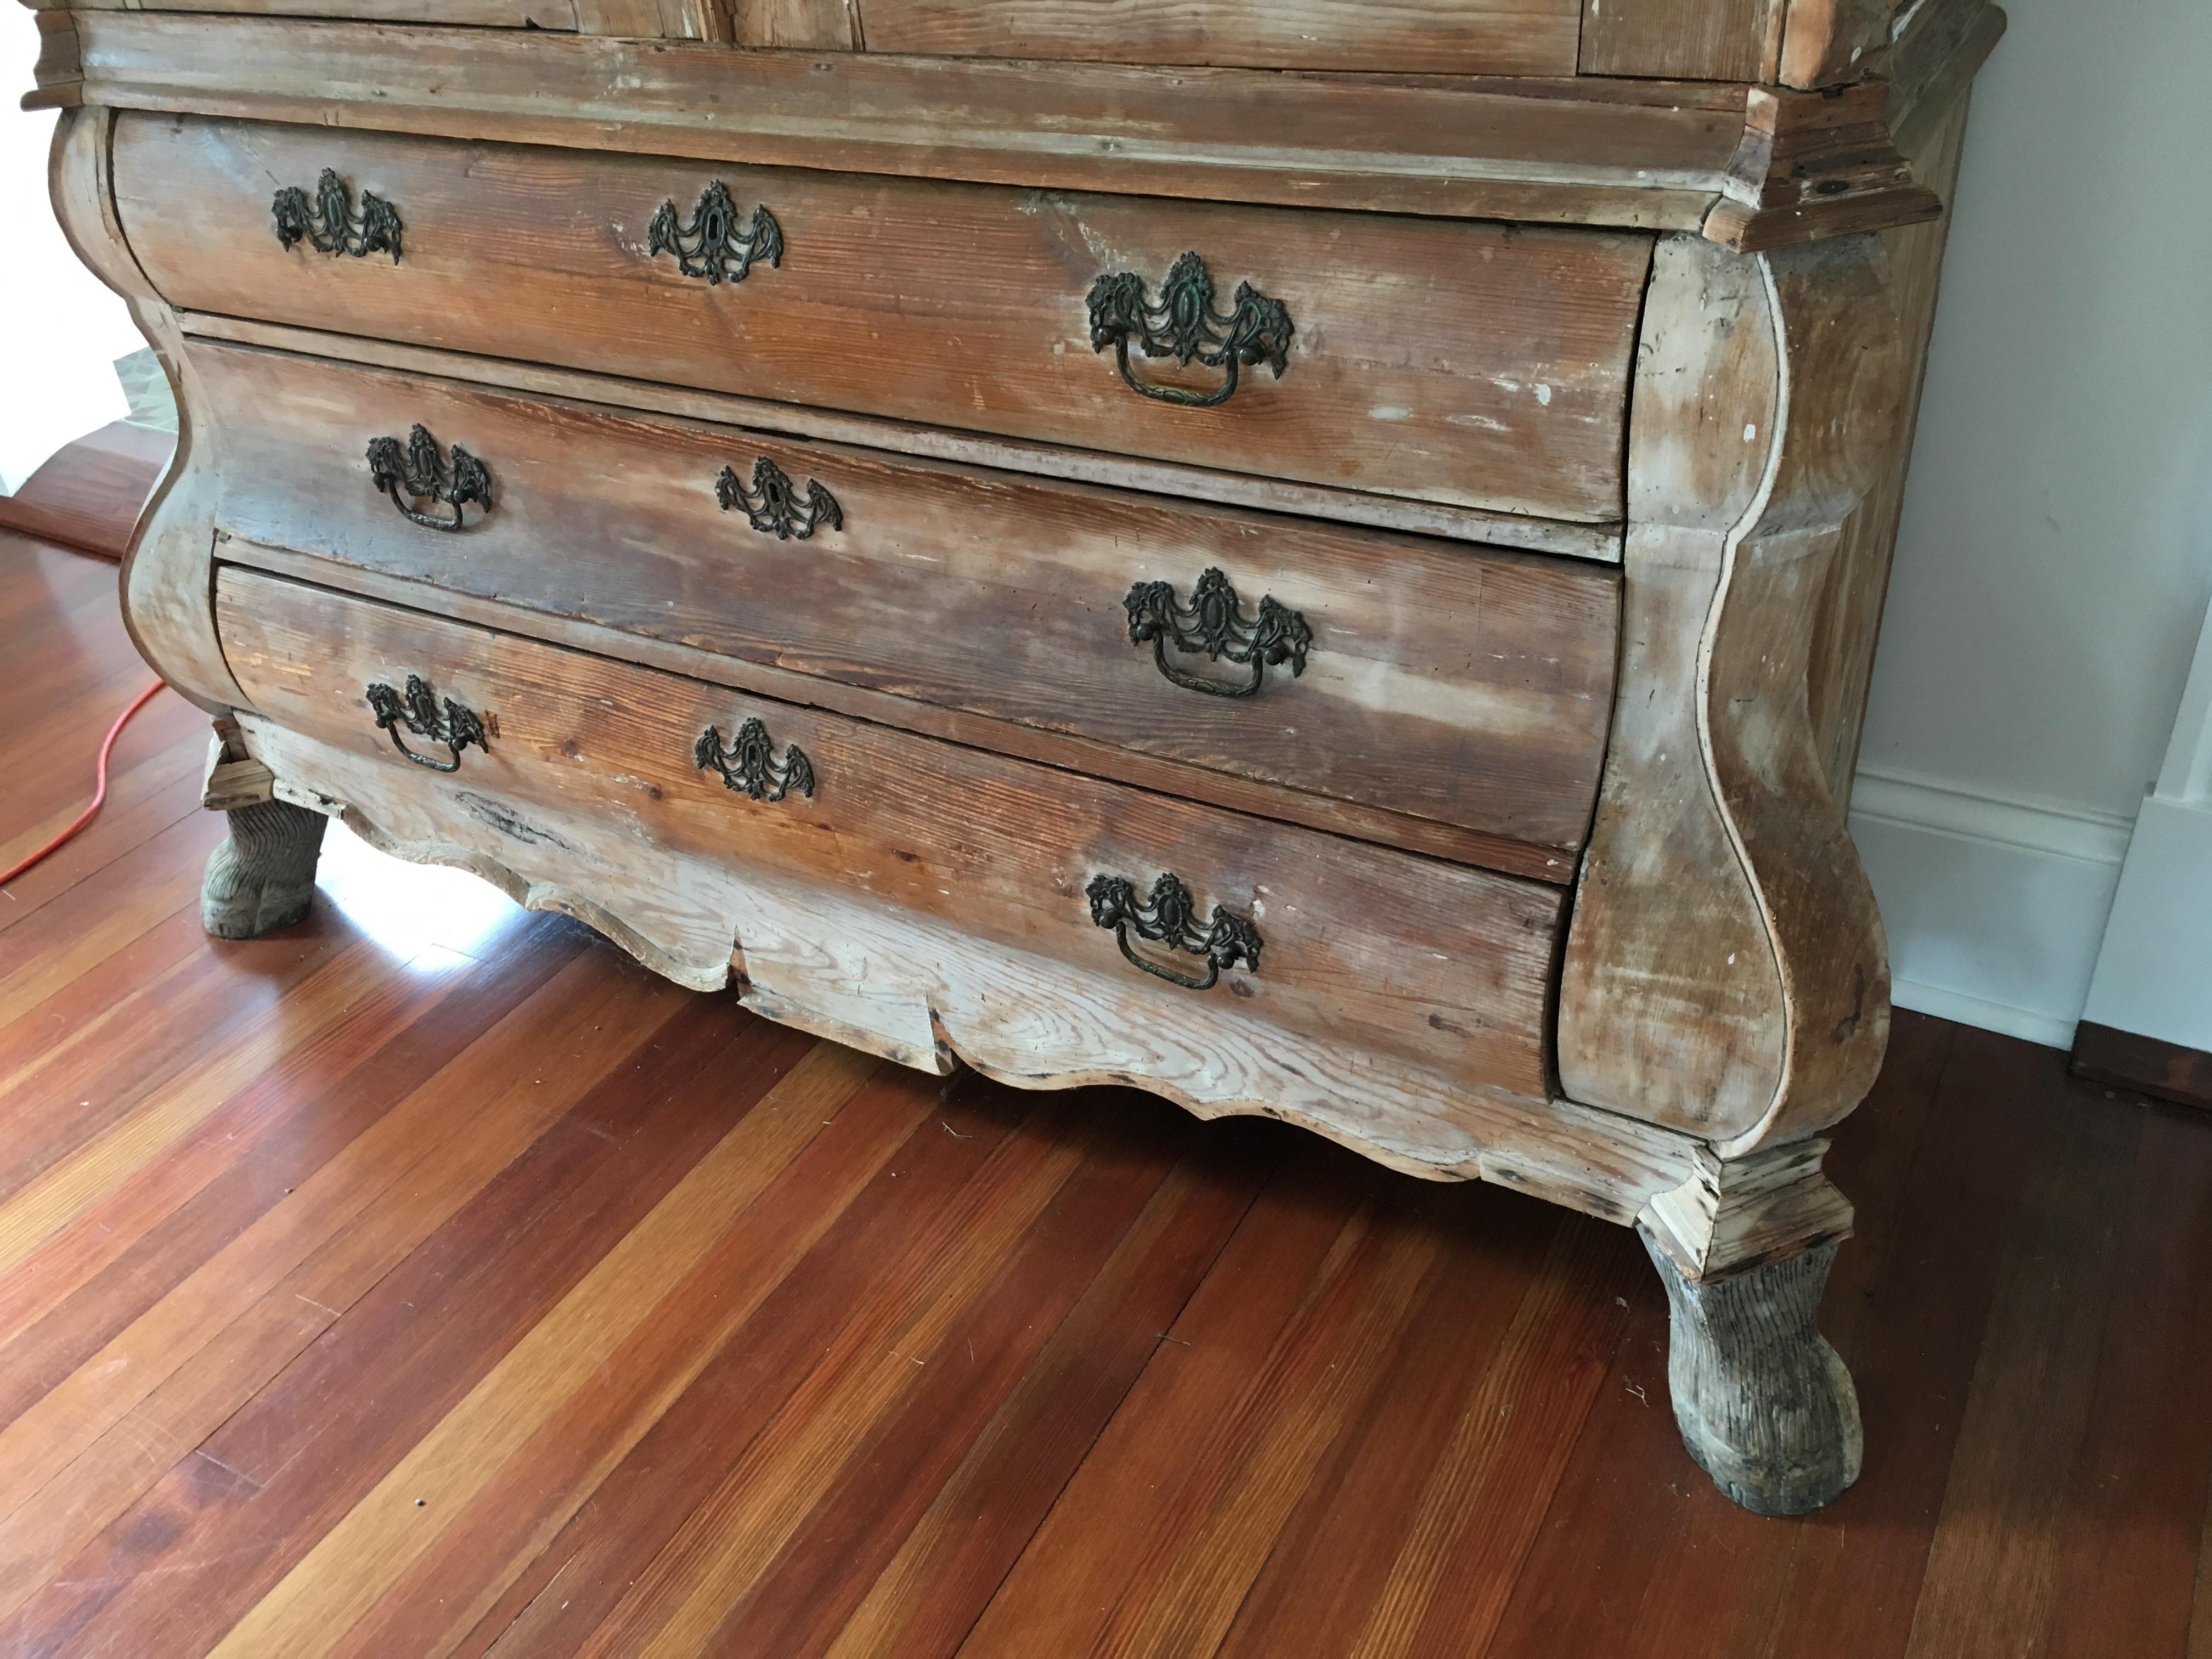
1479	365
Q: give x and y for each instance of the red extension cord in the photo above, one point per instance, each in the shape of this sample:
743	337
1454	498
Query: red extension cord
99	795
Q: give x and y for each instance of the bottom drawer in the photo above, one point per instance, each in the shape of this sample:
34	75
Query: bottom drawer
603	771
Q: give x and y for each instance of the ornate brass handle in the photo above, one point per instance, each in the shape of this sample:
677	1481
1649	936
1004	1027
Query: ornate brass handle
1213	624
424	474
773	505
329	225
748	764
1171	917
418	710
711	244
1185	326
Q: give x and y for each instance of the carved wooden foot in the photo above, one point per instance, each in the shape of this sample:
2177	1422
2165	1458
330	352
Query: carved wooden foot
263	877
1763	1403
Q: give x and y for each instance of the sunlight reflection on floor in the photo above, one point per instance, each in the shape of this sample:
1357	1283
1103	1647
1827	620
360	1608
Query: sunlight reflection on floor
405	907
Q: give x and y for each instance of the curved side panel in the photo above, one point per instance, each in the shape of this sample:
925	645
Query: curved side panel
1725	971
169	591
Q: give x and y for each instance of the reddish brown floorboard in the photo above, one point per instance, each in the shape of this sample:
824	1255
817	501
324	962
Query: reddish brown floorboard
430	1279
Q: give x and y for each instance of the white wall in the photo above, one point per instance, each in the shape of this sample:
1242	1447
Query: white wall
60	329
2055	557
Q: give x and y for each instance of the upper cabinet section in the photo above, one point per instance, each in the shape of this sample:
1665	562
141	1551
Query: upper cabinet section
1432	37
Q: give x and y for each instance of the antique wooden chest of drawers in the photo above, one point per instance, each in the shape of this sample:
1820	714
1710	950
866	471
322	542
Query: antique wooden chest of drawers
1319	559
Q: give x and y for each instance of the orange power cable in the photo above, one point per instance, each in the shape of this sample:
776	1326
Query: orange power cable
99	795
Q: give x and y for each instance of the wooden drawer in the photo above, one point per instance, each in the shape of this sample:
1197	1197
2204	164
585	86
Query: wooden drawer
1478	365
1444	966
1445	683
1463	37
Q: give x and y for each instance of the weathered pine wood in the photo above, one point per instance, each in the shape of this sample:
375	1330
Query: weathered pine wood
675	19
1506	530
1713	766
1695	39
1429	1043
575	734
1438	37
262	876
1413	835
1447	683
1643	155
944	304
1825	42
168	569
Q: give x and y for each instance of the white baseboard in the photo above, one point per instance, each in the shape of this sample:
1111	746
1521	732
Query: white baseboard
1995	905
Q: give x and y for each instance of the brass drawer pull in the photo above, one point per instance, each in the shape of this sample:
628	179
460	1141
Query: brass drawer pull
1185	326
711	244
424	474
773	505
418	711
1171	917
1213	624
328	223
748	765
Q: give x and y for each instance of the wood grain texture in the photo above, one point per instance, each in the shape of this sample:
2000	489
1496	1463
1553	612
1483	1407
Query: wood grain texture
1443	683
1435	37
1624	152
1693	39
1781	1025
2022	1310
1506	530
1412	835
579	735
944	304
1825	42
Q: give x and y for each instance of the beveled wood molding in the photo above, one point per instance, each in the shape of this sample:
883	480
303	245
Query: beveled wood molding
1751	166
1725	972
57	73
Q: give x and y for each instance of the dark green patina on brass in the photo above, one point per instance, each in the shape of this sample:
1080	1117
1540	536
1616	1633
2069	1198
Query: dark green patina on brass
418	710
427	475
328	223
1214	624
1184	325
748	763
1169	917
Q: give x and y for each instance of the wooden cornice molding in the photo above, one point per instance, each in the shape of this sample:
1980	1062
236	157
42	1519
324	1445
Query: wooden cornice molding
1749	168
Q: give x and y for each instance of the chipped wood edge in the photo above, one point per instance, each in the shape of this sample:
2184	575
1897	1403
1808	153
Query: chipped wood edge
167	575
58	72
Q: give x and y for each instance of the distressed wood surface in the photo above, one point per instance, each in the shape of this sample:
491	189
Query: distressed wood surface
676	20
1635	153
1423	835
1440	683
944	304
1506	530
1695	39
1445	967
168	569
1779	1022
1827	42
1436	37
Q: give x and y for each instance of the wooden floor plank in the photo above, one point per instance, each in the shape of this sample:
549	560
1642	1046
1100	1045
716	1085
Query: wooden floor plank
928	1597
1990	1580
2130	1524
192	1556
356	1560
489	1546
867	1254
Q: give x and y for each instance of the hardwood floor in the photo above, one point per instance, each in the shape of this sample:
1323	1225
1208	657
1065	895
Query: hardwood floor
430	1279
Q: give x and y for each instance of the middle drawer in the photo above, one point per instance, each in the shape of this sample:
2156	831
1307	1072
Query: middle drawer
1442	682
